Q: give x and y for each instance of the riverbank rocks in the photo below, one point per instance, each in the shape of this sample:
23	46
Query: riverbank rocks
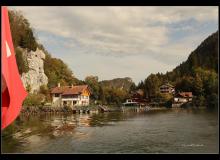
35	77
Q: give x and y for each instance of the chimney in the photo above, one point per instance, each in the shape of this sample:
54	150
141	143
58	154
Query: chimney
58	84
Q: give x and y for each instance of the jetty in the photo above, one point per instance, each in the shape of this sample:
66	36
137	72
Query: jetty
103	108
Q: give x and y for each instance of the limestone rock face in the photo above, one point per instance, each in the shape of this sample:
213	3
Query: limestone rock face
35	77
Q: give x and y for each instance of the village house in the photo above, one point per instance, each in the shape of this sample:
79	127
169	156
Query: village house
183	97
167	88
137	97
70	96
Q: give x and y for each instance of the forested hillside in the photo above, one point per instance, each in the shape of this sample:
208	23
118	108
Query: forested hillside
121	83
198	74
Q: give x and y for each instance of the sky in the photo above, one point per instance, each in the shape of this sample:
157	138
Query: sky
117	42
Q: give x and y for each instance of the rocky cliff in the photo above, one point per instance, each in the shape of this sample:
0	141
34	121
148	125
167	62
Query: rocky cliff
35	64
35	77
120	83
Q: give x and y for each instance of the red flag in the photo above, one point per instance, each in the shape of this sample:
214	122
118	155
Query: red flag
14	92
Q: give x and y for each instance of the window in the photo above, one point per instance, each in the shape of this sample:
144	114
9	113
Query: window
75	96
57	95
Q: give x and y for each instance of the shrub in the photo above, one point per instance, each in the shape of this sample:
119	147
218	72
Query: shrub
34	100
212	101
168	103
67	108
199	101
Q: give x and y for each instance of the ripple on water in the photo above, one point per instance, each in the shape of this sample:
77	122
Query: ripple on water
173	131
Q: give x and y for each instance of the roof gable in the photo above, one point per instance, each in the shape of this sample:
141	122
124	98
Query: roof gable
185	94
66	90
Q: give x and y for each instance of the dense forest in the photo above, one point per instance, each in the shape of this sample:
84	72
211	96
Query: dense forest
198	74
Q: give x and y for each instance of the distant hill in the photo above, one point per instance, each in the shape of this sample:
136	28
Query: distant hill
204	56
119	83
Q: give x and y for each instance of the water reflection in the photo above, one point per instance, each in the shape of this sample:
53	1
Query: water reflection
113	132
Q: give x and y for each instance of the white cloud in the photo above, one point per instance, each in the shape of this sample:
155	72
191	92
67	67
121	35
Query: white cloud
113	27
122	31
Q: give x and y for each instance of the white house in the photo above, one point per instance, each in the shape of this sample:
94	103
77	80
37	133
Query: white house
70	95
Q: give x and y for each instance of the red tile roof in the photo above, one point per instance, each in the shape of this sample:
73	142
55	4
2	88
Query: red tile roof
59	89
185	94
66	90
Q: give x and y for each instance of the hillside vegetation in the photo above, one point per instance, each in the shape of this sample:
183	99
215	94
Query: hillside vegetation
108	92
23	36
198	74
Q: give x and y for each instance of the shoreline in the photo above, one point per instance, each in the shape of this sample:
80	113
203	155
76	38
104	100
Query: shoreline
30	110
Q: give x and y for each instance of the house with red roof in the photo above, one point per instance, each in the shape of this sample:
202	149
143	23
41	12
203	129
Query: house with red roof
137	97
183	97
70	95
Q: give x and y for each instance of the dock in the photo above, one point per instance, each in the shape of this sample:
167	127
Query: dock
103	108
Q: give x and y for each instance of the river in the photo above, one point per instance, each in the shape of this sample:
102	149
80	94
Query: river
165	131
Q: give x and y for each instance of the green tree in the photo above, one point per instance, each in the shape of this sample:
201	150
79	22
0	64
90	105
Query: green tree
198	86
212	100
152	84
102	95
44	90
93	83
132	87
22	33
58	72
185	84
34	99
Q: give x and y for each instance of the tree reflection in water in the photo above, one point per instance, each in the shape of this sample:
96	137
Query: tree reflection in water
113	131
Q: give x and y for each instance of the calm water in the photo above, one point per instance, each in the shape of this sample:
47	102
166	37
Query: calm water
167	131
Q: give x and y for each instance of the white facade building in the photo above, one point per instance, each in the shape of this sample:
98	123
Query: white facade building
70	96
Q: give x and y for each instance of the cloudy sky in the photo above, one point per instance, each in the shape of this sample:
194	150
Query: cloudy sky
113	42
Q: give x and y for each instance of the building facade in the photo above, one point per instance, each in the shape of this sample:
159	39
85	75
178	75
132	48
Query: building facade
183	97
70	96
167	88
137	97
